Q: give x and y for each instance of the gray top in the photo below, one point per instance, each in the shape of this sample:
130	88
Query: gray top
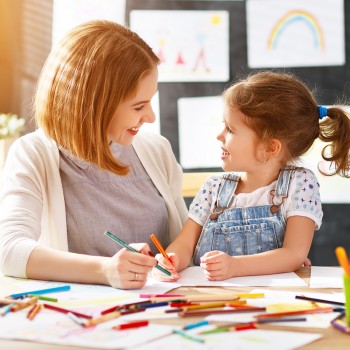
97	200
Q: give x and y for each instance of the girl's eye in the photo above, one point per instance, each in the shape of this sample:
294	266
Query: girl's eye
140	108
228	130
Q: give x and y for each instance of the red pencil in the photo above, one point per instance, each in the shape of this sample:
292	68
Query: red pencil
135	324
65	311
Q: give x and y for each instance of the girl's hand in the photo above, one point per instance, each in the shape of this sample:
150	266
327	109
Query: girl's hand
307	263
171	267
217	265
129	270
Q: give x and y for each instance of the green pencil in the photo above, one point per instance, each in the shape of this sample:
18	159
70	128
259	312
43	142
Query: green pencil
126	246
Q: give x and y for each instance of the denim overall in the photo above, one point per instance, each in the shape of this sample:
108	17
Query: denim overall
247	230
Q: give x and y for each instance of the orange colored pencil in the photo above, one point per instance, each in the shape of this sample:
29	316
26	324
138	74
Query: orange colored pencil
34	311
160	248
343	260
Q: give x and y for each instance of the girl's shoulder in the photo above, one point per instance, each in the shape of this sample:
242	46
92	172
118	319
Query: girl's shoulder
304	177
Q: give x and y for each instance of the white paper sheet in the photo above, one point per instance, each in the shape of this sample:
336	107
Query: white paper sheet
194	276
244	340
326	277
295	33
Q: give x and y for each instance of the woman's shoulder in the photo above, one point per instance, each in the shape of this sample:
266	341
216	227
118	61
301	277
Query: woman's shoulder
32	144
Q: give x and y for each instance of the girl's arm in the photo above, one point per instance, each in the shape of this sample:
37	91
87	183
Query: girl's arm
183	246
296	246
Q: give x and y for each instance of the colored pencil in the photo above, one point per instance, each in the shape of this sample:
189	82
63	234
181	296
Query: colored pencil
124	306
161	249
341	326
188	336
204	306
281	319
42	291
41	297
135	324
199	298
34	311
250	295
301	297
7	309
195	325
65	311
343	260
239	327
104	318
126	246
76	319
295	313
7	301
26	303
150	305
161	295
223	311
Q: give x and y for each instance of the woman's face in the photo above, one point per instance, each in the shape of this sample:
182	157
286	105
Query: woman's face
134	111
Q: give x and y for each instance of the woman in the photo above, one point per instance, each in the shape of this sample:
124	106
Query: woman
87	169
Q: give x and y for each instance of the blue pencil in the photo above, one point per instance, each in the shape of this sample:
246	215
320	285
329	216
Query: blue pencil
195	325
42	291
125	245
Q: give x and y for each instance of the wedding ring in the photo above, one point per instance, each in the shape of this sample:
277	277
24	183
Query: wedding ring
135	278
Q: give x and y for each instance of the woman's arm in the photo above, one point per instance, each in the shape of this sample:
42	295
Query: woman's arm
296	246
118	271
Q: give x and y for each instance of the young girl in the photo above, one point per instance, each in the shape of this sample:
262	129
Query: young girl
262	220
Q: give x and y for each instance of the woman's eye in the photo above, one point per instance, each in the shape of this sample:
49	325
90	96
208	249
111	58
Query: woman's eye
228	130
140	108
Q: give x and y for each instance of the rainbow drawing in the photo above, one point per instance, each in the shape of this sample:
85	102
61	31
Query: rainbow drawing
296	16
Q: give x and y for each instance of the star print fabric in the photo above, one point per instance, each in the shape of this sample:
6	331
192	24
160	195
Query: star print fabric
303	198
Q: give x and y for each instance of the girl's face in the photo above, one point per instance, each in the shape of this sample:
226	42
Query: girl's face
134	111
238	143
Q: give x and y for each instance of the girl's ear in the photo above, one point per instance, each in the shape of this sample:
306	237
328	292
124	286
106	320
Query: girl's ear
274	147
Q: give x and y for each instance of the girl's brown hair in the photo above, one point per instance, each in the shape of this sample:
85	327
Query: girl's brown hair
94	68
280	106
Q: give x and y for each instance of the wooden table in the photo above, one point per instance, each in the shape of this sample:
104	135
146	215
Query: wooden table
332	338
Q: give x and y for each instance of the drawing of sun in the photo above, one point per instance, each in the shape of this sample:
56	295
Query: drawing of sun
215	20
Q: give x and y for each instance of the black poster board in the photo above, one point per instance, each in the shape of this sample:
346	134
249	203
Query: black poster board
332	82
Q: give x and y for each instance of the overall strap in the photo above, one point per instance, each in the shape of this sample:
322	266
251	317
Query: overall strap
227	190
282	187
283	181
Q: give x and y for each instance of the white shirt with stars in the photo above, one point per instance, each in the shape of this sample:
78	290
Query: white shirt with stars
303	198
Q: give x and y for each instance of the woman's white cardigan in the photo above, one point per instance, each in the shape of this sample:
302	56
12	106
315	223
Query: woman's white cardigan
32	209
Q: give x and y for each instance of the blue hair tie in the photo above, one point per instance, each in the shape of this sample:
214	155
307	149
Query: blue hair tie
322	111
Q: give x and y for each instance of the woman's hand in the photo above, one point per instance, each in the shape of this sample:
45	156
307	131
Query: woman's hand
217	265
170	266
129	270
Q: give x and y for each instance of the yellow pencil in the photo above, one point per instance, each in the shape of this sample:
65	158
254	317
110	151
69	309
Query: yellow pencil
250	295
